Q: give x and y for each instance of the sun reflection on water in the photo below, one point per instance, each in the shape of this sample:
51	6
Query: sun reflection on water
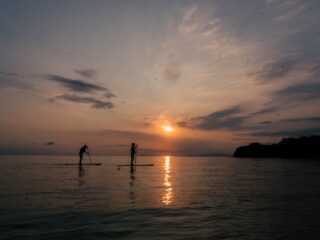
167	197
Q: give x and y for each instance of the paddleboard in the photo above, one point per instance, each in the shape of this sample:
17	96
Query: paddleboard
69	164
135	165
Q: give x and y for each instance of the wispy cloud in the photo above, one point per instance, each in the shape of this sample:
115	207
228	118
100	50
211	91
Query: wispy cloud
9	74
172	72
289	133
9	80
94	103
305	119
292	12
109	95
83	91
293	120
276	70
298	92
268	2
196	42
87	73
223	119
188	20
264	110
226	112
266	122
75	85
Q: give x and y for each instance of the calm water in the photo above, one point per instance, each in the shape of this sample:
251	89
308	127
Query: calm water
178	198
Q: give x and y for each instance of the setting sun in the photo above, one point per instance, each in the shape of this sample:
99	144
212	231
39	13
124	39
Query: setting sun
167	128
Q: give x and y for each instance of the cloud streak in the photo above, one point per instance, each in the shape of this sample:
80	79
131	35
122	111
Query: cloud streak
223	119
50	143
94	103
289	133
299	92
264	111
82	91
11	80
9	74
277	69
75	84
109	95
172	72
87	73
293	12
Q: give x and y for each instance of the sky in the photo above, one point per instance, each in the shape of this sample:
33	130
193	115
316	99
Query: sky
176	77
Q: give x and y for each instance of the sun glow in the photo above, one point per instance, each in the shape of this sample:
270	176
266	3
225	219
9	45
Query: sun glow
167	128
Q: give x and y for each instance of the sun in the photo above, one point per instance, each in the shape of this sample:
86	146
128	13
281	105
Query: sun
167	128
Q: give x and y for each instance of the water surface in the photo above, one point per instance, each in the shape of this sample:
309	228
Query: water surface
178	198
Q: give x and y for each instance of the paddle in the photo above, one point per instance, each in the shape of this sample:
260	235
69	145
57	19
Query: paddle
89	156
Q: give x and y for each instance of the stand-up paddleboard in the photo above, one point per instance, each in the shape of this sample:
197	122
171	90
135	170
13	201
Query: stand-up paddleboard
135	165
83	164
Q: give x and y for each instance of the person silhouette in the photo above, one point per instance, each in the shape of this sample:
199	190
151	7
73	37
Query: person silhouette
83	150
133	152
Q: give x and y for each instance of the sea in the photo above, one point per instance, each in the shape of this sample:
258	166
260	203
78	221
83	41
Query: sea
177	198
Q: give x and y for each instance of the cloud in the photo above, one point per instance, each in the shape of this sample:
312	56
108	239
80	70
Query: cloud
75	84
15	84
299	92
188	20
306	119
9	74
277	69
88	73
264	110
300	72
294	120
315	70
292	13
172	72
269	1
82	89
198	40
224	119
266	122
10	80
226	112
50	143
290	9
94	103
109	95
183	124
210	123
291	133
